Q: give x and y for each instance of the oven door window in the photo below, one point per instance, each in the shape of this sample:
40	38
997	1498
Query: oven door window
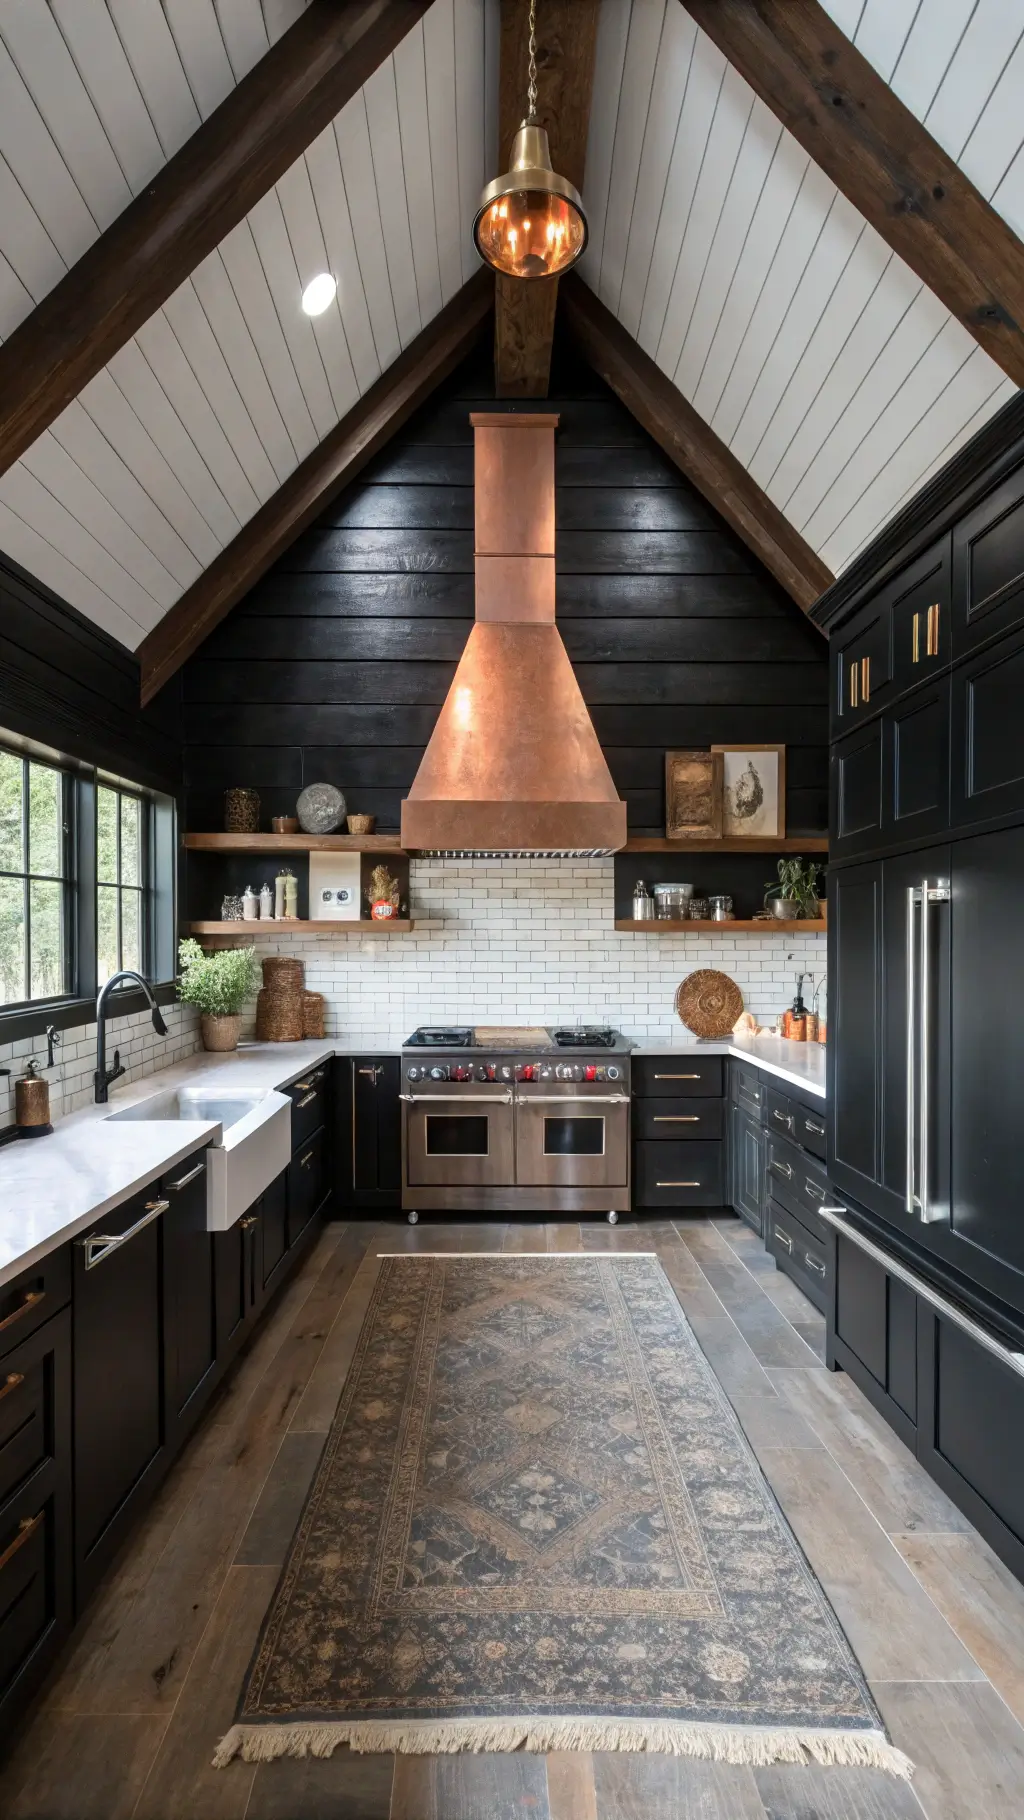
574	1136
456	1134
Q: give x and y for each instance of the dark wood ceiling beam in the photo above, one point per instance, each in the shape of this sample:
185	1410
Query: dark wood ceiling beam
204	191
338	459
882	159
694	447
524	316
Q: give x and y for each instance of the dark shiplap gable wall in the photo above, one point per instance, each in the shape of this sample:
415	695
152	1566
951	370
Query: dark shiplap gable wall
335	665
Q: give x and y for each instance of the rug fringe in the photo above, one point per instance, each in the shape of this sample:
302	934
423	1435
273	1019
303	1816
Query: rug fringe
757	1746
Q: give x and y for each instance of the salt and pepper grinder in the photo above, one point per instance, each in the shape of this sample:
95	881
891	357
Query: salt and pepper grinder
643	903
250	906
32	1103
291	895
280	885
266	904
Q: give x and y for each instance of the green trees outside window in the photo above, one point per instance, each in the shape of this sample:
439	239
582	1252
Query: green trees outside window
120	882
35	945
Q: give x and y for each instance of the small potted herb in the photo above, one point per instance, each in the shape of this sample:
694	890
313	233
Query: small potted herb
218	985
794	894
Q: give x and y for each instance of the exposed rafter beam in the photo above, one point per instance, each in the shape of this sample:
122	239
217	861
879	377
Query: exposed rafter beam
688	441
367	427
524	319
882	159
219	174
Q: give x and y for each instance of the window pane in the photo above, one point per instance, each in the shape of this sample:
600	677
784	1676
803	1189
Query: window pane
131	858
12	941
106	836
11	857
131	939
106	933
45	939
44	821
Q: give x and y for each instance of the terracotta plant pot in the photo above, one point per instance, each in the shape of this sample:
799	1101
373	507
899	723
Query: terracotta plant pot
220	1033
823	909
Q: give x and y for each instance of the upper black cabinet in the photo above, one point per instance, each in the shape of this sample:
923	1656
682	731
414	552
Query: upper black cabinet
988	734
899	638
988	566
861	665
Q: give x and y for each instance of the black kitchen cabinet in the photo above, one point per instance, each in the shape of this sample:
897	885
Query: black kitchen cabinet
872	1330
368	1131
854	1050
190	1350
971	1402
797	1251
857	791
306	1185
988	566
36	1580
919	604
118	1377
890	779
274	1249
861	666
987	772
310	1098
674	1173
746	1166
663	1076
679	1118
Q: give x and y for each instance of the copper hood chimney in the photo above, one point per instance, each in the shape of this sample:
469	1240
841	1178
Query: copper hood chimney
513	765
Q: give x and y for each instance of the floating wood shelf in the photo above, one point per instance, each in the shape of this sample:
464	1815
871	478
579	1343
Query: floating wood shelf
774	925
656	843
299	925
294	843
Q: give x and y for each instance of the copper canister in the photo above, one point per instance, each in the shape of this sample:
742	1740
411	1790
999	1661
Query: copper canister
32	1103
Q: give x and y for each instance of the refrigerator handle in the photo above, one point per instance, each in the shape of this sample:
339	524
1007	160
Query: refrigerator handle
937	893
910	1198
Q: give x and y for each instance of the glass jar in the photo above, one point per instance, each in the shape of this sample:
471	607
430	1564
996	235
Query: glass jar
721	909
700	909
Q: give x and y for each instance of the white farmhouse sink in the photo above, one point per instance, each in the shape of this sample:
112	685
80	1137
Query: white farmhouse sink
247	1153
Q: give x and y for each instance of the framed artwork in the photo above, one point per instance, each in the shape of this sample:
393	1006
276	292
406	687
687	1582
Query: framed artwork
693	795
753	792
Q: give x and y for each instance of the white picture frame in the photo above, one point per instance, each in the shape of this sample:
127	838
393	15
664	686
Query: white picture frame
753	792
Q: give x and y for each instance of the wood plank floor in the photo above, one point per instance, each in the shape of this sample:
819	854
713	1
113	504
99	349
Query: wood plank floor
126	1727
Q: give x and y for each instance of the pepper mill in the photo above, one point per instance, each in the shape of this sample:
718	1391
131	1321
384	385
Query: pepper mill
291	895
32	1103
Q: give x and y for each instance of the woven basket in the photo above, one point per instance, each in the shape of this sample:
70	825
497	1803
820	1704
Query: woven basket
313	1014
278	1018
282	974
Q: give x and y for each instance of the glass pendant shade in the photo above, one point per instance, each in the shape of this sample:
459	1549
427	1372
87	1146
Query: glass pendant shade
530	223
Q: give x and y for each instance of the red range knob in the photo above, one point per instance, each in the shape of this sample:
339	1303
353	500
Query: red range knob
590	1072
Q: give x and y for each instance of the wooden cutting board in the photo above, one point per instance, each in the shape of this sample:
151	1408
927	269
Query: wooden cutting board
498	1036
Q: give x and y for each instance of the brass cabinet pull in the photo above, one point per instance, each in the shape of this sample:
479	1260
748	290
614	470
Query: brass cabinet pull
818	1268
27	1527
784	1238
915	640
677	1184
11	1382
32	1300
679	1118
377	1068
677	1077
247	1220
865	678
307	1099
933	630
853	684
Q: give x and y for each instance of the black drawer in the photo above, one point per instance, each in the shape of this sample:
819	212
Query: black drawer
27	1594
34	1390
667	1076
306	1185
780	1112
35	1510
798	1181
679	1118
32	1297
678	1174
309	1104
810	1129
801	1254
746	1087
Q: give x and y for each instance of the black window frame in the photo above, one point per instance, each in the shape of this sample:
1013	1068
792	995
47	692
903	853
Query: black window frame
67	879
29	1018
144	888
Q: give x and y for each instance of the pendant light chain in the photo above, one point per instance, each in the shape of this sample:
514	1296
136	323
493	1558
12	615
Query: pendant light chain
531	92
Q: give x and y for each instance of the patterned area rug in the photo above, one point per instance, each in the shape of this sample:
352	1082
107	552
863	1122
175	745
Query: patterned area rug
537	1523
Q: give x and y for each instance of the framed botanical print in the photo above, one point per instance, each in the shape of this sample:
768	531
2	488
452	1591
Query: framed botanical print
693	795
753	792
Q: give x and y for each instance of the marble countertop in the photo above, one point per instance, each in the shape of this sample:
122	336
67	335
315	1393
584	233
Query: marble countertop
52	1188
801	1064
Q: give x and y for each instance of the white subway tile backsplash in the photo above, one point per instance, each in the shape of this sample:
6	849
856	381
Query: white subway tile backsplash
71	1082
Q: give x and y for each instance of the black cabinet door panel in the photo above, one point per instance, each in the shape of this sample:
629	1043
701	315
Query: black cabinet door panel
273	1226
971	1404
678	1118
661	1076
919	606
861	665
678	1175
33	1296
988	567
917	765
746	1166
188	1282
309	1098
861	1304
35	1511
374	1144
987	773
745	1086
232	1288
856	767
853	1053
306	1185
799	1253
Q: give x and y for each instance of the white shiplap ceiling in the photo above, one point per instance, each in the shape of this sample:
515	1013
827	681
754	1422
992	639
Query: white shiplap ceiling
197	421
837	379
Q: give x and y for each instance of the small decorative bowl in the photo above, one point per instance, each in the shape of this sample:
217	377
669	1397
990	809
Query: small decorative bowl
285	824
361	824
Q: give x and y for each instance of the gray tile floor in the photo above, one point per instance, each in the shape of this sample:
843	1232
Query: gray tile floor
127	1725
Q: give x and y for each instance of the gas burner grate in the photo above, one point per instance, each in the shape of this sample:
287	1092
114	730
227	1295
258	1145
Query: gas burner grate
585	1038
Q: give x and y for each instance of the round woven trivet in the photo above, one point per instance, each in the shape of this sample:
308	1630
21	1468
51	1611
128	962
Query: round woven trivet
709	1003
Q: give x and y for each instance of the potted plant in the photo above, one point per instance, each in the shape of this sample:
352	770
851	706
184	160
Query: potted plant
795	894
218	985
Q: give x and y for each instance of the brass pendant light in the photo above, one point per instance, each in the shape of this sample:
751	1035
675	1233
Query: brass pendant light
530	223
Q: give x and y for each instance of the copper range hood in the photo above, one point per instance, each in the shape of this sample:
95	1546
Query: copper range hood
514	765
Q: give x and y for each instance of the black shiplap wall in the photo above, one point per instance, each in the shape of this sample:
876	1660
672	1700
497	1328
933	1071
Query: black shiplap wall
335	665
64	683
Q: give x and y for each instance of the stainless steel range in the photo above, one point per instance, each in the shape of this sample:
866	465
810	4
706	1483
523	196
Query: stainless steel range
498	1120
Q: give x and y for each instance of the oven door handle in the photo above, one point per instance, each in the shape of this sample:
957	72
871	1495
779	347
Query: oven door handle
459	1099
572	1099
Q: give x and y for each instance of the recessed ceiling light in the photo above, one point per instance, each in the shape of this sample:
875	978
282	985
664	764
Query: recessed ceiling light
319	293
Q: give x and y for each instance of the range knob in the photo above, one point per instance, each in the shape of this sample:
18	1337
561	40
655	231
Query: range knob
544	1072
414	1074
614	1073
590	1073
460	1072
505	1072
439	1073
486	1071
525	1071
